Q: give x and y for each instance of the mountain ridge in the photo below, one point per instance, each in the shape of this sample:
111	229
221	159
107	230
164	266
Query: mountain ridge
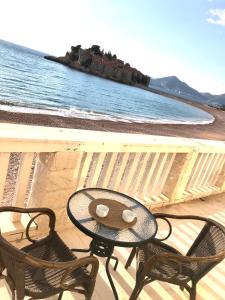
173	85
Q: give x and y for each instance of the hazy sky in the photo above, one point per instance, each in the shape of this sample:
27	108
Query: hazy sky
185	38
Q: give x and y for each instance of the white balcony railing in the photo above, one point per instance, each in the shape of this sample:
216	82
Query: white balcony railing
42	166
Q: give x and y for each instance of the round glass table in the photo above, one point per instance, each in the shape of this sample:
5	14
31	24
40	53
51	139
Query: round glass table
104	238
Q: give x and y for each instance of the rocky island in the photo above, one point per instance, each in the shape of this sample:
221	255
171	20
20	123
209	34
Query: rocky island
97	62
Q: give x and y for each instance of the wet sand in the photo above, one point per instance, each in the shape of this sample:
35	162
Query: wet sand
214	131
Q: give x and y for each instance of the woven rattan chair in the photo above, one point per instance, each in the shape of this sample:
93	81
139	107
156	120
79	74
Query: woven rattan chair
159	261
45	267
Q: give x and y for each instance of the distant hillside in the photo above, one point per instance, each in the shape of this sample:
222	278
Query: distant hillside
218	100
175	86
207	95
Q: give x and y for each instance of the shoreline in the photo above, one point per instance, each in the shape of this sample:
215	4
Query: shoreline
99	117
212	131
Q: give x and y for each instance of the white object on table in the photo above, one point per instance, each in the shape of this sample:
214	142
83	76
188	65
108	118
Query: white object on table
128	215
102	210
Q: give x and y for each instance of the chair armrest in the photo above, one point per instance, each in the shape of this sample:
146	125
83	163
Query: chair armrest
193	259
179	261
82	262
161	216
68	266
187	217
52	220
41	211
165	217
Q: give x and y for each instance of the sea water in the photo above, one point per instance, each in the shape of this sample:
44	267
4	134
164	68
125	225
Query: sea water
31	84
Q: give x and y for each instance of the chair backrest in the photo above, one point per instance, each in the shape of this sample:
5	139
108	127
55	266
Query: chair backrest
210	242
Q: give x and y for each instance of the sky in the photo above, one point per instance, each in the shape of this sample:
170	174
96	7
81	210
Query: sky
185	38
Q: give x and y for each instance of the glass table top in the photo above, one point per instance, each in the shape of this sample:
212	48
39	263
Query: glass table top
141	232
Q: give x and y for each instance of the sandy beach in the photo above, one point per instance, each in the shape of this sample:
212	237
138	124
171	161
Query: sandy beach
214	131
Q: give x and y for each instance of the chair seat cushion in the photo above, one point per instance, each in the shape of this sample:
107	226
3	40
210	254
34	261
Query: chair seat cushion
166	269
39	281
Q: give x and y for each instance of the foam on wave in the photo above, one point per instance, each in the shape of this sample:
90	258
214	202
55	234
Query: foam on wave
72	112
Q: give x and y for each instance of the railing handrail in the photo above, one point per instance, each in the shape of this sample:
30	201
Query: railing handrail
14	137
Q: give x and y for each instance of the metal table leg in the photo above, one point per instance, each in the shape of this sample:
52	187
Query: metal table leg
110	278
103	249
116	263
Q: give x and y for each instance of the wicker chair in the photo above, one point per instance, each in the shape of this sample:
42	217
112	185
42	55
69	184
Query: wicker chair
47	266
159	261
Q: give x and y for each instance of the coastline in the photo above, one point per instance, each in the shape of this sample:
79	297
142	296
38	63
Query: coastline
212	131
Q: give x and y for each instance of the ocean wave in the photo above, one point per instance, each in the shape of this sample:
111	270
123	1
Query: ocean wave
72	112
